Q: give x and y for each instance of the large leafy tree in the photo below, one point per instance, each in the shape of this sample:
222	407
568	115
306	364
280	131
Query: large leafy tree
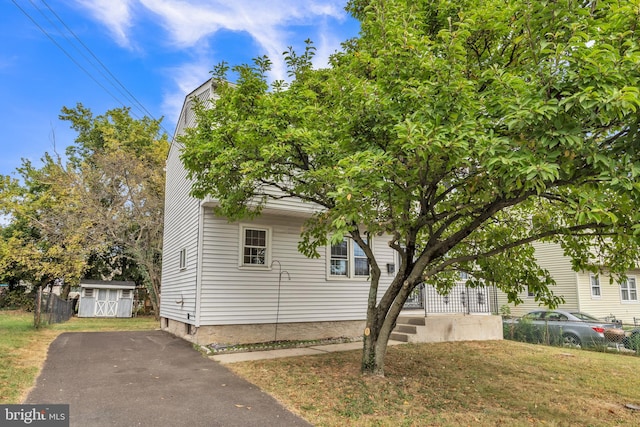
45	240
464	130
121	160
98	214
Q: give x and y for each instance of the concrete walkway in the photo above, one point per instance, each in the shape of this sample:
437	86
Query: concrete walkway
290	352
149	378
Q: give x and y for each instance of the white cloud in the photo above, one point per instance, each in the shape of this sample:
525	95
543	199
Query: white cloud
186	78
188	22
114	14
327	44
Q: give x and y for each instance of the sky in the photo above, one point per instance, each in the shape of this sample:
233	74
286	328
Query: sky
143	54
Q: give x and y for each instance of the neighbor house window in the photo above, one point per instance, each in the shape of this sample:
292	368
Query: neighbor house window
183	259
595	286
530	292
255	246
347	259
628	290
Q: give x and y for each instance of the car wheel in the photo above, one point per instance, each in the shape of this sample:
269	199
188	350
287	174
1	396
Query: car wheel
571	340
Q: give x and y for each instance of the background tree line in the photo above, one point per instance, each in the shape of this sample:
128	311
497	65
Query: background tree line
96	213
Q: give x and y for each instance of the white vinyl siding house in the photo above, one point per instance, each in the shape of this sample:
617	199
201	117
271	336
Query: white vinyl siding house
595	294
181	228
611	301
244	295
235	281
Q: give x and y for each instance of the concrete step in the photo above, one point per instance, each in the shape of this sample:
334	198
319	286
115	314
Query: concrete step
408	320
397	336
407	329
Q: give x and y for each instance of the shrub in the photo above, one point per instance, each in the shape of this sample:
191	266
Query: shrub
17	299
524	330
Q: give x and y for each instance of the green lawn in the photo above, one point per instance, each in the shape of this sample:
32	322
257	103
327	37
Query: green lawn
23	348
491	383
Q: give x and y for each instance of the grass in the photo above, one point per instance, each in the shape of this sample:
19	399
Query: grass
446	384
457	384
23	349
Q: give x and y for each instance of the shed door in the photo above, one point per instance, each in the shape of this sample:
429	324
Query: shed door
106	303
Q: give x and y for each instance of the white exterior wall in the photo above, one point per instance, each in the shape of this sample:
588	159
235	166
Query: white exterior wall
550	257
180	232
181	228
610	300
576	289
214	290
245	295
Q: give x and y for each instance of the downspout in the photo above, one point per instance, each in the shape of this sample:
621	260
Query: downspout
199	257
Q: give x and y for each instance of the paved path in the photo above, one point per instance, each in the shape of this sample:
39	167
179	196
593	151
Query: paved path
290	352
149	378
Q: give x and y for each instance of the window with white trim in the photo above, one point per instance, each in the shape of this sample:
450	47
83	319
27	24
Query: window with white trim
88	292
183	258
340	259
595	286
347	259
628	290
530	292
255	247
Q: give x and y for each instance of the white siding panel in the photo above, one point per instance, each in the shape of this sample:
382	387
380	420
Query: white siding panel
550	257
610	300
233	295
178	289
181	226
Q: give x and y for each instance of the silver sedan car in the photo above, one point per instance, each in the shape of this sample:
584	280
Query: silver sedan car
573	328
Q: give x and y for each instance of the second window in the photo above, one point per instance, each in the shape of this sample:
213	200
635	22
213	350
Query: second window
347	259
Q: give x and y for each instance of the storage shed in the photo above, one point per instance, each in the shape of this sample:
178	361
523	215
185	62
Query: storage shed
102	298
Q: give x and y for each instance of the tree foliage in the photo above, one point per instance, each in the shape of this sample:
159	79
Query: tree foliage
464	130
97	215
45	240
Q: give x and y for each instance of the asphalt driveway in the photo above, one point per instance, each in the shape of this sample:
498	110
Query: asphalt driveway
149	378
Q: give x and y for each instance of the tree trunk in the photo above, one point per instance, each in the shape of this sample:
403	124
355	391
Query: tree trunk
375	350
64	293
38	308
381	321
155	296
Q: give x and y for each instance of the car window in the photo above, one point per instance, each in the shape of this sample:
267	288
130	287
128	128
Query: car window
555	316
534	315
584	316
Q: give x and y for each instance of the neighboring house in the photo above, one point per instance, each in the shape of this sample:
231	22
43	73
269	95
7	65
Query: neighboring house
583	291
104	298
243	282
